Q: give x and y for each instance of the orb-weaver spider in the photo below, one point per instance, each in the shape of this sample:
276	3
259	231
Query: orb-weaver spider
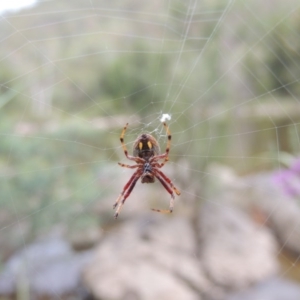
146	154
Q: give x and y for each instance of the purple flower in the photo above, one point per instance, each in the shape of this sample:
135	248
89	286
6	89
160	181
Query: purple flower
288	180
295	167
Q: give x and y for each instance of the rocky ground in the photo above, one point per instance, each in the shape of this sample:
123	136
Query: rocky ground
158	257
227	250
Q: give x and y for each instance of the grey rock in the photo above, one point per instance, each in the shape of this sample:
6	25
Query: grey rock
151	258
282	211
48	268
272	289
262	193
159	257
236	252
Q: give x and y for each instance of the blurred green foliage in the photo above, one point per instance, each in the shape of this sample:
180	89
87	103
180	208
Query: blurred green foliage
275	64
51	177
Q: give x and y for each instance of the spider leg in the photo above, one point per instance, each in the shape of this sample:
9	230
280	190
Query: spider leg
136	159
168	180
169	138
156	164
128	166
165	185
166	154
125	188
130	185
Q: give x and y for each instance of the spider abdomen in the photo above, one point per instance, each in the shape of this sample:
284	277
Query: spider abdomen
145	146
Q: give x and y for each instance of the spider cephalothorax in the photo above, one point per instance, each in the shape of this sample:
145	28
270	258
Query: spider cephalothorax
146	155
147	175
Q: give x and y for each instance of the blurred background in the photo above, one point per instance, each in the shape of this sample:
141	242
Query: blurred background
224	75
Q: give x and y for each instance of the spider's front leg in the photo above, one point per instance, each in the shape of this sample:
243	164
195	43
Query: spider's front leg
165	185
126	191
125	188
168	180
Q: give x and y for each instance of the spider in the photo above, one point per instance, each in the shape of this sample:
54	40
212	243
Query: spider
146	154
